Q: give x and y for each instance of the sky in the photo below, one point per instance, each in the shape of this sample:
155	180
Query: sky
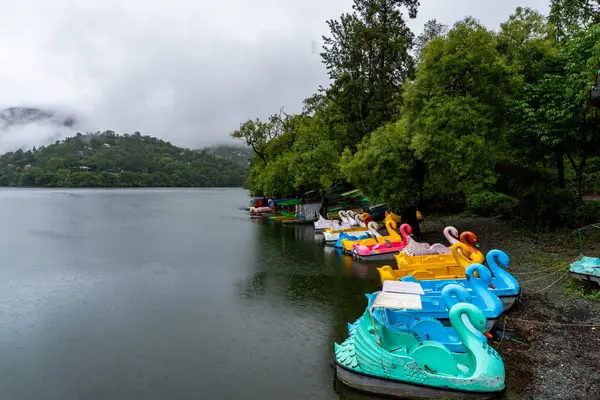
187	71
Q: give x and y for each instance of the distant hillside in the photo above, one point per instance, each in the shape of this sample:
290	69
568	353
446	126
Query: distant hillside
14	116
111	160
240	155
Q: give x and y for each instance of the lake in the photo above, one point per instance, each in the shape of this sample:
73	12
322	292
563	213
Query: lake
167	294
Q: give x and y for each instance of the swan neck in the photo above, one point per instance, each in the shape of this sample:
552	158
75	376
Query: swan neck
466	336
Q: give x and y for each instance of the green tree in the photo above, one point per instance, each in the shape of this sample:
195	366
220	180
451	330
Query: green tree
557	108
432	29
367	57
571	16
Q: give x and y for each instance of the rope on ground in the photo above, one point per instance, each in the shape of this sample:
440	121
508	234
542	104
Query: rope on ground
562	268
554	268
539	271
503	331
556	323
553	283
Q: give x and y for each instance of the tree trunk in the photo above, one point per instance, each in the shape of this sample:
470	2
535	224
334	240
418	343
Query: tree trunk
409	216
579	170
419	171
324	202
560	169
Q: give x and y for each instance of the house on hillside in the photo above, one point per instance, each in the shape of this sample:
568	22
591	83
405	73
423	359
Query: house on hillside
84	168
106	146
78	153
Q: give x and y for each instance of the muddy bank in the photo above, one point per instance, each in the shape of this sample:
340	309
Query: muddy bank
549	349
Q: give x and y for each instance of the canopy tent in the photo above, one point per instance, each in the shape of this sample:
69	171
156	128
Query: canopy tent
292	202
352	193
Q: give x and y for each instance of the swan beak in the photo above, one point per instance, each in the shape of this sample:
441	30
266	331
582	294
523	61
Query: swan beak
510	269
488	335
492	286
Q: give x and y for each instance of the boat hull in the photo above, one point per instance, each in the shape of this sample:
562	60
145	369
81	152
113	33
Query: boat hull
386	387
332	237
585	277
375	257
508	301
298	222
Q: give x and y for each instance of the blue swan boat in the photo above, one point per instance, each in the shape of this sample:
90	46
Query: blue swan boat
344	235
481	297
505	286
426	328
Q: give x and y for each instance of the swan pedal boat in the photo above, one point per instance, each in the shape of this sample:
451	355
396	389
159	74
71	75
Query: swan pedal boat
339	244
414	248
479	289
376	237
586	269
378	360
386	250
432	267
503	284
353	226
424	328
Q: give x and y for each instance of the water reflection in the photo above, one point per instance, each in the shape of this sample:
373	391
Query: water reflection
295	273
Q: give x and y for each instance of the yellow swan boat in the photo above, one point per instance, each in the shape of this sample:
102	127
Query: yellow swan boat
434	266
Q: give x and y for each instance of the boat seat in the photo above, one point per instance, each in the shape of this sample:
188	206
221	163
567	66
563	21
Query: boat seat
434	357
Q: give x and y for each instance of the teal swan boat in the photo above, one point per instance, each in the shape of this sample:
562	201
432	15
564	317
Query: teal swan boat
586	269
378	360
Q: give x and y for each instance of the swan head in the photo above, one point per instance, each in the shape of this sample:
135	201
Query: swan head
406	228
461	294
482	272
470	239
373	225
498	258
451	233
473	315
367	218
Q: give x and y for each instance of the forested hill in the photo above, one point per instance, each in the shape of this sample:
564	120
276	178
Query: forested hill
111	160
238	154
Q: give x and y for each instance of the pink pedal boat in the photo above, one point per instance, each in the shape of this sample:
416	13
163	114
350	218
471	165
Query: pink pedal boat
382	251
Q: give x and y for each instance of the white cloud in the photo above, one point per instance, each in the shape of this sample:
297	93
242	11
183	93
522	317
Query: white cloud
188	71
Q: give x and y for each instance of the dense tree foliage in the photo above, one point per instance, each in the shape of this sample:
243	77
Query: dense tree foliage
460	118
111	160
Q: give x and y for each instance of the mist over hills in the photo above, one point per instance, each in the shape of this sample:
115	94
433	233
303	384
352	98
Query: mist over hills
28	126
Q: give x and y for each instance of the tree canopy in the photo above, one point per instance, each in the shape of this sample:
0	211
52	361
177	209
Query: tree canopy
451	119
111	160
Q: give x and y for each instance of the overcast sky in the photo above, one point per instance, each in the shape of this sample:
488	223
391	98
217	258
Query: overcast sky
188	71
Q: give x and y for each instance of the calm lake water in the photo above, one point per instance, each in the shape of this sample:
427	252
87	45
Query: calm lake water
167	294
